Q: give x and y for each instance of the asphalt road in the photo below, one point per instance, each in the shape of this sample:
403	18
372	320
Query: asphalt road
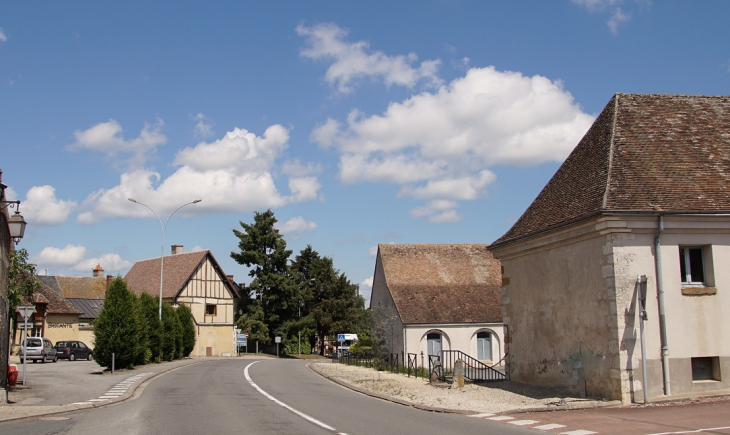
279	397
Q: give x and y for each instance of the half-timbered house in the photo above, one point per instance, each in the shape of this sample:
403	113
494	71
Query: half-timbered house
196	280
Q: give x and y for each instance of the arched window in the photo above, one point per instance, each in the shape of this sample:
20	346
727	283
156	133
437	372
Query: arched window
434	343
484	346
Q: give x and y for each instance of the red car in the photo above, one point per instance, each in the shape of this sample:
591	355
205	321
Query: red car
73	350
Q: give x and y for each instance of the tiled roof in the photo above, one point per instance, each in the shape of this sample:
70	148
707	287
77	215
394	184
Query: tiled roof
85	287
90	308
56	304
644	153
144	276
443	283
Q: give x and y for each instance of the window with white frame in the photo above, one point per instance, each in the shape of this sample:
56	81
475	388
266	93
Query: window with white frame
692	265
484	346
433	340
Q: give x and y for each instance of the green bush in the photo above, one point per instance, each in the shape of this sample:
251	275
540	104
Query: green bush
171	333
149	312
119	330
188	329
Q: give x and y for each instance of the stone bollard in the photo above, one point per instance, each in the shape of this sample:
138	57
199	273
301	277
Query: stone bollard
458	374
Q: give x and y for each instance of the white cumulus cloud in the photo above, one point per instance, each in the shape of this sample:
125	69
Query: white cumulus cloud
354	61
618	16
438	145
106	138
41	207
51	257
295	226
235	173
3	36
110	262
203	126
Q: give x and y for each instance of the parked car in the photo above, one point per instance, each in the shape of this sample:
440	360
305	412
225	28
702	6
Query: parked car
73	350
37	349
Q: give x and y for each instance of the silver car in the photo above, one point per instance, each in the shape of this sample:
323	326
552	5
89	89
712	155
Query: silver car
38	349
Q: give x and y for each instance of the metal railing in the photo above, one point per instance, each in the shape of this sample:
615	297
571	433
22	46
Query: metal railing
412	364
474	369
394	363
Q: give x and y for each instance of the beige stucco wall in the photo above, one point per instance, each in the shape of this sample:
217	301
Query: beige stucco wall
218	339
570	306
62	327
461	337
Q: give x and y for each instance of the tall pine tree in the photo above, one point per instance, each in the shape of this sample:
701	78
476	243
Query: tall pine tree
263	249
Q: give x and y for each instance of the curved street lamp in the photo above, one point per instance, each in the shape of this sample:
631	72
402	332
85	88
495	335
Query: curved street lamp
162	247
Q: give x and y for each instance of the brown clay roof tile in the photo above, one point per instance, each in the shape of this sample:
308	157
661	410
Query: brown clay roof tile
443	283
644	152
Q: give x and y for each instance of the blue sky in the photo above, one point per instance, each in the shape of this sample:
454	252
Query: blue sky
357	123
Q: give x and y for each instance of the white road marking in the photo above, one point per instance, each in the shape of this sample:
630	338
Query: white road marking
284	405
550	426
578	432
500	418
522	422
482	415
709	429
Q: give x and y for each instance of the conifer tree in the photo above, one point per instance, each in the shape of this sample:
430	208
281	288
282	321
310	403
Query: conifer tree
118	330
188	329
171	333
263	249
149	311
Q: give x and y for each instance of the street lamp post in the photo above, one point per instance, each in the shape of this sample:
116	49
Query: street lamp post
162	246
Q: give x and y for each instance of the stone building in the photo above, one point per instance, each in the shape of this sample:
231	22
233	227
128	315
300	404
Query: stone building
646	192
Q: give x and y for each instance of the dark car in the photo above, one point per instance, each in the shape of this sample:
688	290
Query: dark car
73	350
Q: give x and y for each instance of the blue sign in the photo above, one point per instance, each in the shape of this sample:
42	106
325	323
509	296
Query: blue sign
340	337
241	339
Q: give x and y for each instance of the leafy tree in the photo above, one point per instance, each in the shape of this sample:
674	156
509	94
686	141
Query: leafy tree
118	330
171	334
188	329
252	321
263	249
331	303
22	280
149	311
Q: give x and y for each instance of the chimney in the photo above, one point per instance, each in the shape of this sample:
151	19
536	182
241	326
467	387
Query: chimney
98	271
177	249
108	284
230	278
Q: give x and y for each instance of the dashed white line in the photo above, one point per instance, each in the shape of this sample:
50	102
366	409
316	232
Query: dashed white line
500	418
550	426
482	415
522	422
578	432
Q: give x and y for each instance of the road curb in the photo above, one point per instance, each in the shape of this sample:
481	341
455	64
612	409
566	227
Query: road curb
547	408
29	411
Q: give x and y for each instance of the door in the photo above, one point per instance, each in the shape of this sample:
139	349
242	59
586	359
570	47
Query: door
484	346
434	343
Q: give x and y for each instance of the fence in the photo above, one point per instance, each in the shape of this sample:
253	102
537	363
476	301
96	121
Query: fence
474	369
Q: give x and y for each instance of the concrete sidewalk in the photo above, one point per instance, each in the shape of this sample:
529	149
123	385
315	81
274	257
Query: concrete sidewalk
46	395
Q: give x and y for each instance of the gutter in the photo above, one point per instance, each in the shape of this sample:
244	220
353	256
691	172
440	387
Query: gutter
660	299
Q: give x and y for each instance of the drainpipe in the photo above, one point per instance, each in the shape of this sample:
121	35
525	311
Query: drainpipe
662	314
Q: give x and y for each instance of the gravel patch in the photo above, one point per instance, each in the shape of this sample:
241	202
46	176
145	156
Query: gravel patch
493	397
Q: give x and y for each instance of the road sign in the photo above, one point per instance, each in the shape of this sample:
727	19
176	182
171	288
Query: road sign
277	339
246	334
26	311
340	337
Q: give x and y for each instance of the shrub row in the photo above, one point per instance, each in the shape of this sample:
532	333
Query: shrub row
130	328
